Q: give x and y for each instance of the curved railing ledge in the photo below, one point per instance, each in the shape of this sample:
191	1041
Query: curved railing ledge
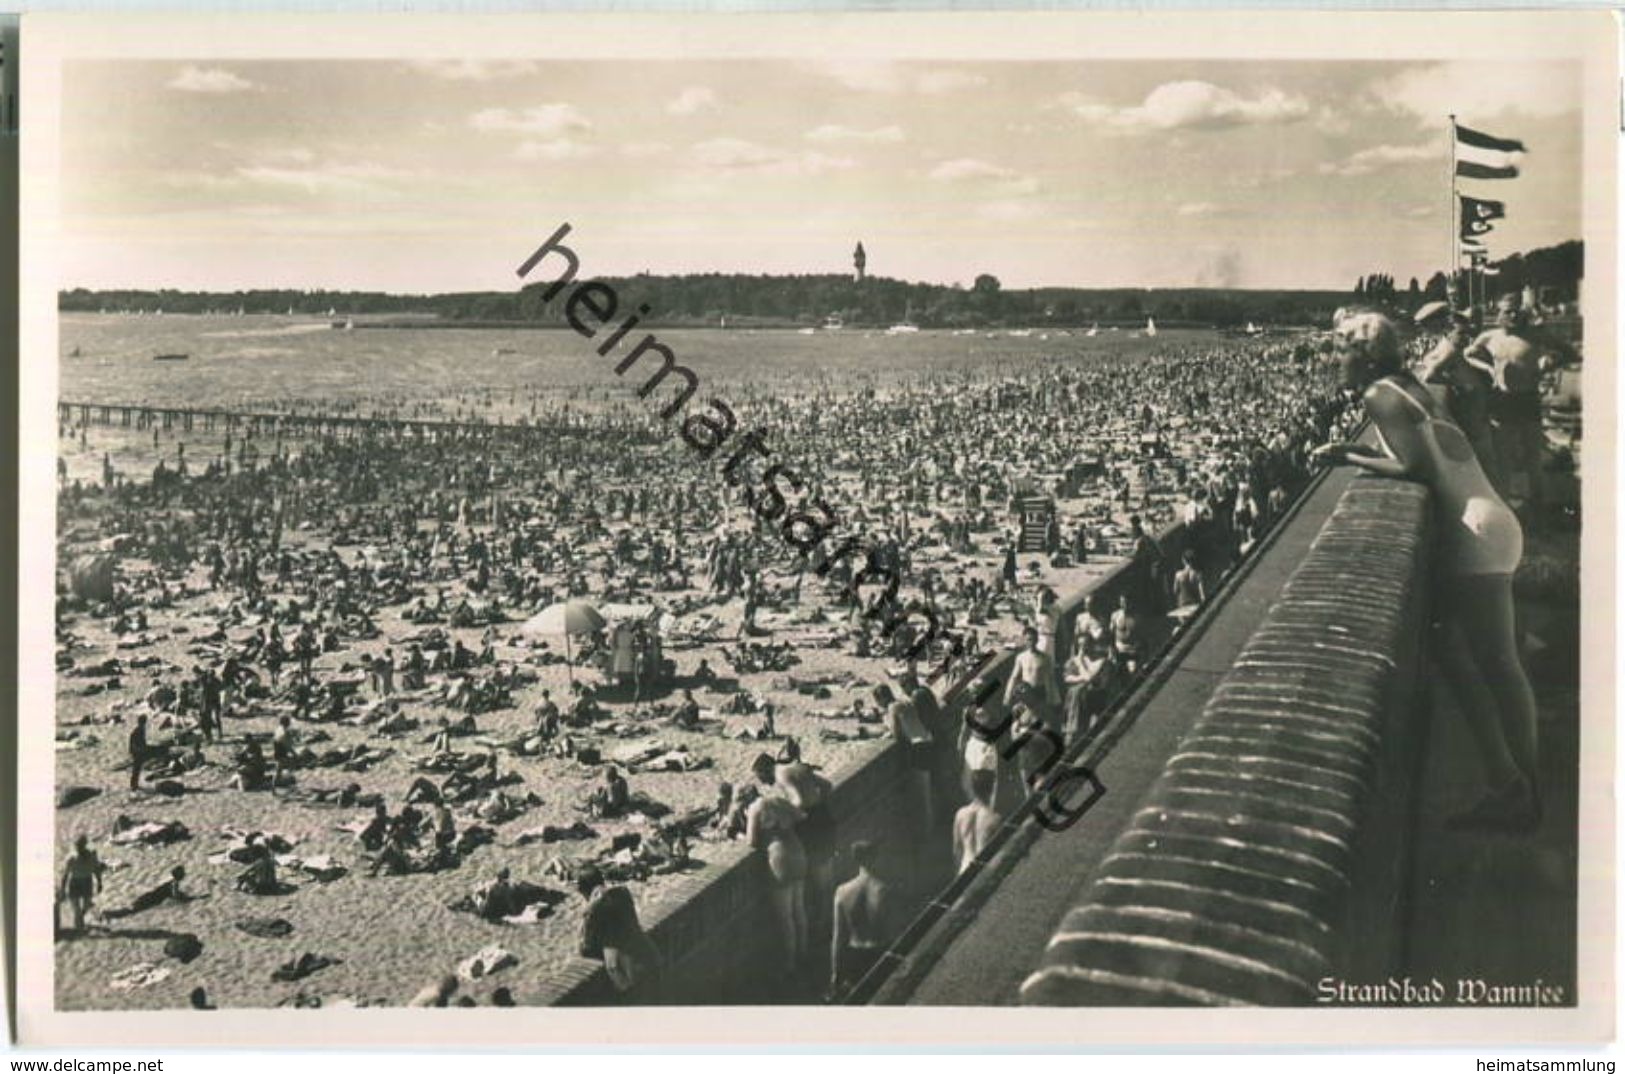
1269	853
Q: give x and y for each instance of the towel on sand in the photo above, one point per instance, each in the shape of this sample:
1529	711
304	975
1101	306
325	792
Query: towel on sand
141	975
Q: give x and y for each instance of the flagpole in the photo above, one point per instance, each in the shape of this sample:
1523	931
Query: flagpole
1452	218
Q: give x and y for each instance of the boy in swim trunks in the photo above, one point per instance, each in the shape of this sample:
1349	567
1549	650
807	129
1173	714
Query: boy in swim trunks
81	880
863	927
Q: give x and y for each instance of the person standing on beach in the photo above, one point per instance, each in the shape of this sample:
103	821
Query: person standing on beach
81	880
138	751
209	690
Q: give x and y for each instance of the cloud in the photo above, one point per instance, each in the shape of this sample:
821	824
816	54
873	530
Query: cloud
1197	208
327	178
1478	92
738	155
970	170
292	154
691	100
947	81
1383	157
475	70
835	132
557	149
1332	121
1263	178
1192	105
886	76
1008	209
209	80
543	120
644	149
966	168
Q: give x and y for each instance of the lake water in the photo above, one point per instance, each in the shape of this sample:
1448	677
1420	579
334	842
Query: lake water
271	362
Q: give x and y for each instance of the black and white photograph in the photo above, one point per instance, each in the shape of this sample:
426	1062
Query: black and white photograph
822	512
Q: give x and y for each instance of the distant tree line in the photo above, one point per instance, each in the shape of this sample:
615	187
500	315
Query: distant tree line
709	298
1554	272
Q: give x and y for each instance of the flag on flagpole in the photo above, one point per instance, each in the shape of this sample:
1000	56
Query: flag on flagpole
1480	140
1484	156
1471	169
1477	214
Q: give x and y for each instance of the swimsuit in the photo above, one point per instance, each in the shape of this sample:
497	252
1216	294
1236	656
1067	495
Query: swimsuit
786	858
1481	534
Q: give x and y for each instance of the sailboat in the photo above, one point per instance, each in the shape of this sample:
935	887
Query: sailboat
1150	327
1094	328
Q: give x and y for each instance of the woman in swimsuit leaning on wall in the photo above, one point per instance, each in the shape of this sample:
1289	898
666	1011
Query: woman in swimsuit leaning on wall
1480	545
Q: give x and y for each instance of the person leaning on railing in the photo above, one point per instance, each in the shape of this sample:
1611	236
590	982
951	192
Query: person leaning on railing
1480	546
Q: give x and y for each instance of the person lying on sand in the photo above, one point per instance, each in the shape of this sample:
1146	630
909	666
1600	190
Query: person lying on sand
169	891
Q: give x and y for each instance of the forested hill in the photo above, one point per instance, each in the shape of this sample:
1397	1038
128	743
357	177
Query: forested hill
801	300
707	299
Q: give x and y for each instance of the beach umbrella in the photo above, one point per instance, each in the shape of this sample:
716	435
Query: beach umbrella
570	617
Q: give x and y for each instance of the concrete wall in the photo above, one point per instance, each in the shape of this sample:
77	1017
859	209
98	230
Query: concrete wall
715	934
1269	852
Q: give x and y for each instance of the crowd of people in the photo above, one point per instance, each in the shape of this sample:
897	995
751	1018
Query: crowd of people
361	595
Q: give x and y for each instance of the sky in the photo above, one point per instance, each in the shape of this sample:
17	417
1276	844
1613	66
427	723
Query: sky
430	176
